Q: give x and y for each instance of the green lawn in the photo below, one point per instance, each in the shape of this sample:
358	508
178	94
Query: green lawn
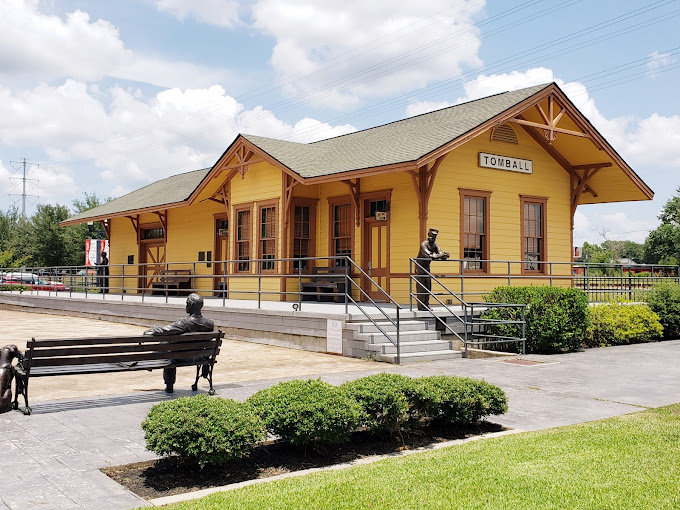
631	461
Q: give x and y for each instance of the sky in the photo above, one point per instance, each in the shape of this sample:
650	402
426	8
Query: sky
107	97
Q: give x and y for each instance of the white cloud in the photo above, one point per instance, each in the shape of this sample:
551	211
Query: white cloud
223	13
39	47
339	53
658	61
37	44
421	107
135	140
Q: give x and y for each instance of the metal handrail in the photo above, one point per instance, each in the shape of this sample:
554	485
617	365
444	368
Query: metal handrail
348	296
467	322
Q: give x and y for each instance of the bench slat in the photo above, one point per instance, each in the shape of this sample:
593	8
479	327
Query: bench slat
88	360
122	349
124	339
101	368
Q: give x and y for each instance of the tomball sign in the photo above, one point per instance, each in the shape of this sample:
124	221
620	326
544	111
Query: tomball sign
505	163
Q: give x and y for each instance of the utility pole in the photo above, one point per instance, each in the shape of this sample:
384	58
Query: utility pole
23	164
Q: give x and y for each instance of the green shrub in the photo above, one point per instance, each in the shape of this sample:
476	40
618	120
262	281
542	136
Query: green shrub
556	318
383	399
664	299
456	400
202	430
620	323
302	412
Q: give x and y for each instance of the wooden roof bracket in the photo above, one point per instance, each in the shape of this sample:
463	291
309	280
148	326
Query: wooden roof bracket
107	227
579	183
288	184
163	217
135	224
423	182
354	193
550	129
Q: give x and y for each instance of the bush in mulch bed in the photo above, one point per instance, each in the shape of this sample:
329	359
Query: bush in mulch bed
306	412
206	430
202	430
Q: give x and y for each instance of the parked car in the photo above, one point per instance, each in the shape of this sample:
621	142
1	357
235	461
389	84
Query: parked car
33	281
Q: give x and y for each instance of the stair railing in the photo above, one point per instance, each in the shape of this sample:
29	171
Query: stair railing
351	284
468	319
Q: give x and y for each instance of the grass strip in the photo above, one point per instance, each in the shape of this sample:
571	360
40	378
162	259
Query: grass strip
631	461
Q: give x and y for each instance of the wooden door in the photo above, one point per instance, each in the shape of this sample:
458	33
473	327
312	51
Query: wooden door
376	249
152	254
220	269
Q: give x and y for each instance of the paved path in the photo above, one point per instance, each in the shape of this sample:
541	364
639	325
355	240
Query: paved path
51	459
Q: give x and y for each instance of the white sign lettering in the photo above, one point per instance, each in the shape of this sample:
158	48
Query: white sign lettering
334	336
505	163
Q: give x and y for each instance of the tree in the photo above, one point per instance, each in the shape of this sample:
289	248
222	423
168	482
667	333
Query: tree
40	241
625	249
662	245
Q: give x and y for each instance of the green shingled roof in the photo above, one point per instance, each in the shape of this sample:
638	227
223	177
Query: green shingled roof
177	188
398	142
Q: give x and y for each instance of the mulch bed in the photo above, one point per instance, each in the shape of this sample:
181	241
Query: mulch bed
168	476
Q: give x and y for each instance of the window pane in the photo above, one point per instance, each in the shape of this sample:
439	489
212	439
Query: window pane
533	242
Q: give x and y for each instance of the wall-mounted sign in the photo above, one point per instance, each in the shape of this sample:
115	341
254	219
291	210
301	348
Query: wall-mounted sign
334	336
222	231
381	215
505	163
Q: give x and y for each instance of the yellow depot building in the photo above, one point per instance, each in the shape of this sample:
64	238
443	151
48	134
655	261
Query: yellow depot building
500	177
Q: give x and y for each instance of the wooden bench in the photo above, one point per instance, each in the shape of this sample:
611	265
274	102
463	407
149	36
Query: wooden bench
325	284
44	358
172	281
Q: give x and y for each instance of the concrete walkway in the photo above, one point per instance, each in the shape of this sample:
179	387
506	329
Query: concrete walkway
82	423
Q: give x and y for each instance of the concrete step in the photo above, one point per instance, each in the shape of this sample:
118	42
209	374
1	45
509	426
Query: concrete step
414	357
369	327
412	347
404	336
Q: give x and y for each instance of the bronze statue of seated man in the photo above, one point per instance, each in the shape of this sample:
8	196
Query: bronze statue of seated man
193	322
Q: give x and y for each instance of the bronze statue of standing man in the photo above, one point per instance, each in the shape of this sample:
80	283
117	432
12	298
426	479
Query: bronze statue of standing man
429	251
191	323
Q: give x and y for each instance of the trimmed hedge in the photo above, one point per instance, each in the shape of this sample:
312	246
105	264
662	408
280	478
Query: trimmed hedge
620	323
456	400
383	399
556	318
664	300
207	430
304	412
202	430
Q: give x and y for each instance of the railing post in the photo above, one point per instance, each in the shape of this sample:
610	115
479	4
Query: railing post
259	283
462	280
550	266
524	332
410	285
509	274
348	288
398	343
299	284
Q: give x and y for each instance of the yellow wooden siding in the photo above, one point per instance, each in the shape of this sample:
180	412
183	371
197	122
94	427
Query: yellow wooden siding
122	243
460	170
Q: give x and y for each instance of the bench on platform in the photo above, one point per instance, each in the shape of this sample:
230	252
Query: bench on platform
44	358
325	284
172	281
